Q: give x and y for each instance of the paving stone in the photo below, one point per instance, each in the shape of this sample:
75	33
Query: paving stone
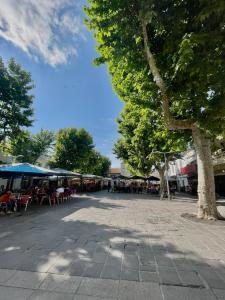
85	297
77	268
186	293
190	278
98	287
93	270
220	294
94	229
167	276
99	257
25	279
114	261
149	276
11	293
127	290
61	283
45	295
111	272
131	249
58	265
164	261
145	261
146	291
131	262
6	274
10	262
129	274
32	264
182	264
145	250
212	279
139	291
149	268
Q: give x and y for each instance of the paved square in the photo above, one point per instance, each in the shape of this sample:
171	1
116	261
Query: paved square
112	246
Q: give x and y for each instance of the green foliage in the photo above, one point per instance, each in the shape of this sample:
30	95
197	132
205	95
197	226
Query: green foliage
186	38
97	164
29	147
72	149
15	100
142	135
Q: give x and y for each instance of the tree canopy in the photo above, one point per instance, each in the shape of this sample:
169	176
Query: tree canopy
171	55
29	147
97	164
15	99
143	139
74	150
189	52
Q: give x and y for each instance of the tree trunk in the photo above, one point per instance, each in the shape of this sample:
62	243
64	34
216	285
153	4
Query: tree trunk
206	184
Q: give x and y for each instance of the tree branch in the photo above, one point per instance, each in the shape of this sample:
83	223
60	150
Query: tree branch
169	119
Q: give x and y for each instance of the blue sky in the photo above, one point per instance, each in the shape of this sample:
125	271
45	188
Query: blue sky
51	42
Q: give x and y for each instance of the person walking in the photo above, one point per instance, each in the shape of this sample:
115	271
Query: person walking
109	186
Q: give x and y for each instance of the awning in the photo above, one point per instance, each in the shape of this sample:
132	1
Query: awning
122	177
152	178
91	176
63	172
137	177
24	169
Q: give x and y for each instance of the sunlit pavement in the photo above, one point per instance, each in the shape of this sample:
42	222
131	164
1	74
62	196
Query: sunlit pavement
112	246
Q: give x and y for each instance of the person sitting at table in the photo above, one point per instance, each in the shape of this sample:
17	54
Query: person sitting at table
8	200
60	190
2	190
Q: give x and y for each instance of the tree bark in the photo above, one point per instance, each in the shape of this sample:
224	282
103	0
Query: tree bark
206	183
170	121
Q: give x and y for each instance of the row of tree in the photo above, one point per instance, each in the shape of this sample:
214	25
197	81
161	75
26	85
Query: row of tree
144	140
168	57
70	148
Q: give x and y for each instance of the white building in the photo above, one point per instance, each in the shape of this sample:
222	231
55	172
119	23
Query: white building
183	168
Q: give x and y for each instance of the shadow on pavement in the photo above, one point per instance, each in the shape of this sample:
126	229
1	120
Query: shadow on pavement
60	242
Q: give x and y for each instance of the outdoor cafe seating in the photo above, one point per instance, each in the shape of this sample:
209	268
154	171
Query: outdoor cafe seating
23	198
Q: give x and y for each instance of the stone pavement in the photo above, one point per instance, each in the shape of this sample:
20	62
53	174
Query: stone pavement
112	246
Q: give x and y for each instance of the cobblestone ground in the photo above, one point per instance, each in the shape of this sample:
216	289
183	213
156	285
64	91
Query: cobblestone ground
112	246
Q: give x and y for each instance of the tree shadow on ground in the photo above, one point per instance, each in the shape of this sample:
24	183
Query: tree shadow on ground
59	242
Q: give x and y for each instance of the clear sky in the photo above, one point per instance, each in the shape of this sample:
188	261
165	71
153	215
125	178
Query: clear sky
48	38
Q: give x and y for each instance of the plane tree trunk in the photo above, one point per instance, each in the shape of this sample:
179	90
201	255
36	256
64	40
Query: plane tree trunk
206	184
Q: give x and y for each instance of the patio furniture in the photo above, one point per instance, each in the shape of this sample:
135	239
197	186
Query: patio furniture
43	197
53	199
24	200
3	207
61	197
67	195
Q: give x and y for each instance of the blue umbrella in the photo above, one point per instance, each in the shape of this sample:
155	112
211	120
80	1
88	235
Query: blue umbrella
24	169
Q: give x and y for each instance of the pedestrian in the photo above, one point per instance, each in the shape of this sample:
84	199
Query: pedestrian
109	186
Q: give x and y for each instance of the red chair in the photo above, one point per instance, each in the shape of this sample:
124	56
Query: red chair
24	201
66	195
53	198
72	192
61	197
